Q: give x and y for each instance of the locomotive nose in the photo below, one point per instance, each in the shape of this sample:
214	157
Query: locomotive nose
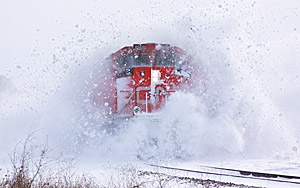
146	81
146	74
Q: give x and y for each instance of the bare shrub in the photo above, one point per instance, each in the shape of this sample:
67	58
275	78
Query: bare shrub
33	168
131	177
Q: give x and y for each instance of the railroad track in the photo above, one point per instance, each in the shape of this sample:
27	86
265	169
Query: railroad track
195	181
245	174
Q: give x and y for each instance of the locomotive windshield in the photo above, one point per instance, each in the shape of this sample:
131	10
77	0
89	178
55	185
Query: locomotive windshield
170	59
130	61
126	62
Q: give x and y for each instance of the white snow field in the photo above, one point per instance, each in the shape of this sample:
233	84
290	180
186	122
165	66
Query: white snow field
193	172
241	112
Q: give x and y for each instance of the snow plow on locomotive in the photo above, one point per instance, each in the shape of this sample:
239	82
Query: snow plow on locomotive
143	77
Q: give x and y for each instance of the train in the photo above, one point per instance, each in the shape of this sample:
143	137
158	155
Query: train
143	77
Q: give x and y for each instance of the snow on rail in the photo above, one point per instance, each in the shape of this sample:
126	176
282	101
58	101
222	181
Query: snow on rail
241	174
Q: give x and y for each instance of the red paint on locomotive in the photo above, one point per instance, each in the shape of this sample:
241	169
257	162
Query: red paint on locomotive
144	75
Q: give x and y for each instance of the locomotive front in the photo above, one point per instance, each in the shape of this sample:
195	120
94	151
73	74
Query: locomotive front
145	75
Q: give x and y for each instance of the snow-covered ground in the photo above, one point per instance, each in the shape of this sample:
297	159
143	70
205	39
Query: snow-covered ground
191	174
241	110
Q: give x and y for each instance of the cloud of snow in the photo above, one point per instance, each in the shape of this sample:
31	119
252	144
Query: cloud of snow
243	101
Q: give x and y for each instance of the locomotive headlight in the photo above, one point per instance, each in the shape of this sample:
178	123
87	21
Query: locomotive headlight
142	73
155	75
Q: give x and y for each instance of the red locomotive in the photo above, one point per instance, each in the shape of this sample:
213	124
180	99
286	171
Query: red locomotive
144	75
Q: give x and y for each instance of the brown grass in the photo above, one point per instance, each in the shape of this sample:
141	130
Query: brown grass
31	167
